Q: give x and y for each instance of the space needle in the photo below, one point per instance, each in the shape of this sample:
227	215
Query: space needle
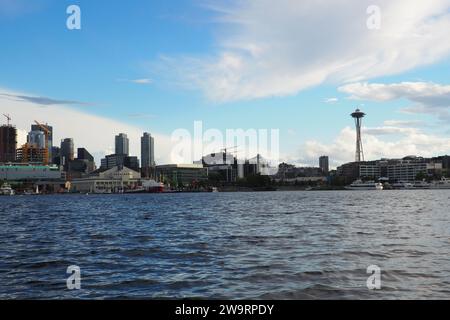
358	115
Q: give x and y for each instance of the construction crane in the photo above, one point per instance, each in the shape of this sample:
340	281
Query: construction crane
47	133
225	150
8	118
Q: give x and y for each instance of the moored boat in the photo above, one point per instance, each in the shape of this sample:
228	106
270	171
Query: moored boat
6	190
403	185
421	185
444	183
367	185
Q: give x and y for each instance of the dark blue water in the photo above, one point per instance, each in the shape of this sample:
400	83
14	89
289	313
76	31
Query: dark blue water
271	245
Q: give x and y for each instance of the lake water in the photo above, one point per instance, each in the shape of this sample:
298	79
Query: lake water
268	245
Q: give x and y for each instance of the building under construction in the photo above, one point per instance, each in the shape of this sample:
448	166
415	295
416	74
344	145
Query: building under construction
36	150
8	142
31	153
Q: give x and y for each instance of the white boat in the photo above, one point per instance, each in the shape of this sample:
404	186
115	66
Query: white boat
444	183
421	185
6	190
402	185
368	185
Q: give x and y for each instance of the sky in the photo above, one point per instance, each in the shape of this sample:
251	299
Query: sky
297	66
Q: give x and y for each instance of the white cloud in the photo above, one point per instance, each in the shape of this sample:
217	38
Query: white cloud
331	100
276	49
427	97
436	94
404	123
407	142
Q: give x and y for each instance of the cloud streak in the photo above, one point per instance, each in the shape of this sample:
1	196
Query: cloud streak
43	101
137	81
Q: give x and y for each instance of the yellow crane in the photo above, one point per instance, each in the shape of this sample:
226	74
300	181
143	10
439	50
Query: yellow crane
47	133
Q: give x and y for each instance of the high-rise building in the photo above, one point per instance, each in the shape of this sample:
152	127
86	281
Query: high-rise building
122	144
66	152
147	154
35	127
324	164
8	143
36	138
56	155
83	154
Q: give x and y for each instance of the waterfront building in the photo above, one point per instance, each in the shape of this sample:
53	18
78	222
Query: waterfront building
122	144
445	160
147	154
221	166
303	180
395	170
182	174
349	171
370	170
114	160
113	180
28	172
82	165
324	164
262	166
8	143
409	168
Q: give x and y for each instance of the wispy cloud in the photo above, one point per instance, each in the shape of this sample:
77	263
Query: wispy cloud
267	49
331	100
141	116
43	101
137	81
404	123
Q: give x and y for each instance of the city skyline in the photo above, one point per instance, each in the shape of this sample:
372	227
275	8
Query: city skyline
147	146
130	90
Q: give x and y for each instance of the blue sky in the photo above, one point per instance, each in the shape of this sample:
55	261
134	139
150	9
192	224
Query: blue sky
231	65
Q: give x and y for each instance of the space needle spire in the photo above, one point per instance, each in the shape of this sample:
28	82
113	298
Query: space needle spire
358	115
